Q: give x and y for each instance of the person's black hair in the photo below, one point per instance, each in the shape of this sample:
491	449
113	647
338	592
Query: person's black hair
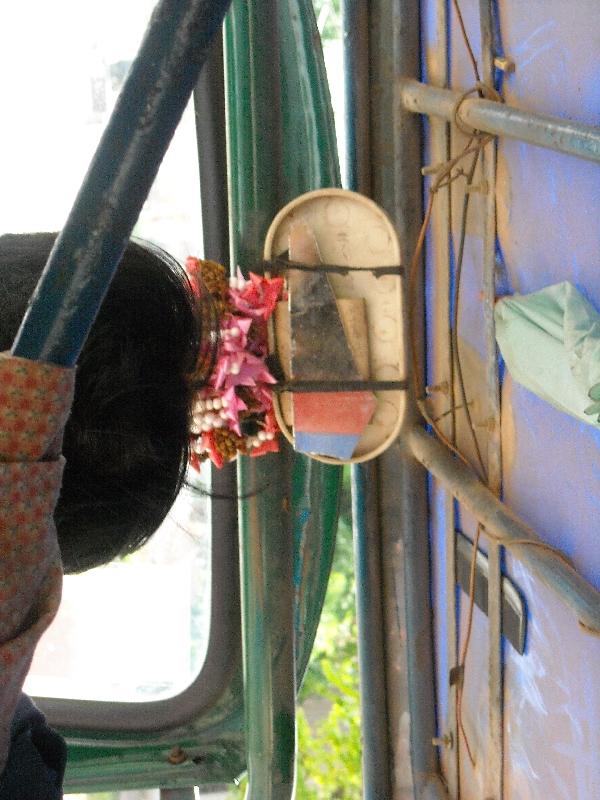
126	443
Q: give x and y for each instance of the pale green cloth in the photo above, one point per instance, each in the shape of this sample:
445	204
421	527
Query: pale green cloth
550	341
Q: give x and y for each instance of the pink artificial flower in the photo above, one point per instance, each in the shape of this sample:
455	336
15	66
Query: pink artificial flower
240	369
232	408
259	296
234	333
192	266
208	440
228	365
268	446
240	360
195	461
271	424
263	396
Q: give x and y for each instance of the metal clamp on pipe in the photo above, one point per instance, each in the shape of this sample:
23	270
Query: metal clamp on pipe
489	116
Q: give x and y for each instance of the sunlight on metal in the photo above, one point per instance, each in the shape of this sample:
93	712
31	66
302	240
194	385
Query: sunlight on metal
266	547
366	528
554	133
580	596
494	769
397	186
367	566
86	253
441	370
279	147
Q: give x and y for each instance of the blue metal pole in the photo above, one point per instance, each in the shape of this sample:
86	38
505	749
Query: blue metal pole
371	650
87	252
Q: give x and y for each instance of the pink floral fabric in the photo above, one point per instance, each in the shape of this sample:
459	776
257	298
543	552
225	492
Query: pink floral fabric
35	400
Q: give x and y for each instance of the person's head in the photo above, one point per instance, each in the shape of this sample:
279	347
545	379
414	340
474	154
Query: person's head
126	442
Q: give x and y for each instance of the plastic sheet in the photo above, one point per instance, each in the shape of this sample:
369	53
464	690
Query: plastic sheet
550	341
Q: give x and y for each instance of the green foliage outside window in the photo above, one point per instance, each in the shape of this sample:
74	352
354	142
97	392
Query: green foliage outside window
328	14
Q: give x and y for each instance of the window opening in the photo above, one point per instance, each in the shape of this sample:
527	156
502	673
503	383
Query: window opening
116	637
137	629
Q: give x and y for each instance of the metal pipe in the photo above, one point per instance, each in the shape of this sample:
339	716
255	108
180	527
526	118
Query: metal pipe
85	256
367	565
280	145
395	140
365	495
267	625
255	147
212	154
500	521
494	766
355	24
442	370
542	130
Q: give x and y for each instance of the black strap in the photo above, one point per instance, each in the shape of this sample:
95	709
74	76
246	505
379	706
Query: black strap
339	386
281	264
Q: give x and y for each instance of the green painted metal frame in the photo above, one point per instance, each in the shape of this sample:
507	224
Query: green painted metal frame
286	554
281	144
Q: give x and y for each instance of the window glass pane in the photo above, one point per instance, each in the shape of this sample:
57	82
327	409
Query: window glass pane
135	630
63	65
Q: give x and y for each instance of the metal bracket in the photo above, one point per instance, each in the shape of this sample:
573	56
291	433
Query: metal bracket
514	611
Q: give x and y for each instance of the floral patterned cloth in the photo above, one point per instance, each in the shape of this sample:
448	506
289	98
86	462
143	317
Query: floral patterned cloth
35	400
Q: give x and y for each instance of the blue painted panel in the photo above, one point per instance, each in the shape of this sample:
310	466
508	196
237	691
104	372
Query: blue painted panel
548	206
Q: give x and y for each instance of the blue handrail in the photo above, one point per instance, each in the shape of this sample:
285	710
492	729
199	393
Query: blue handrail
85	256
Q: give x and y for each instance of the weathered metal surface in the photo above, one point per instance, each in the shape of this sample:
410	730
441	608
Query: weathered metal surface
514	613
433	789
441	374
280	145
87	251
268	629
266	565
395	184
366	519
574	138
494	777
502	522
367	560
546	202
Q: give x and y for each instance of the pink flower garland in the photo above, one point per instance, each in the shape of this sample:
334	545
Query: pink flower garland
234	411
